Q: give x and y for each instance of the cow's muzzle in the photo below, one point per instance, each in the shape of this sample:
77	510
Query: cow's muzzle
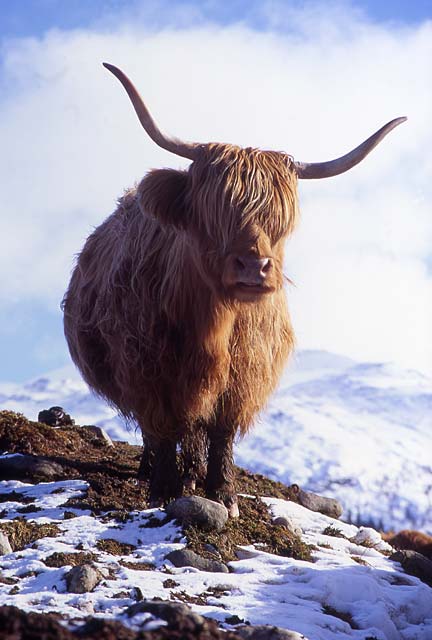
251	271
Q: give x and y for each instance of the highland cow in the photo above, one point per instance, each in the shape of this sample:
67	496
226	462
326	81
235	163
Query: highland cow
176	312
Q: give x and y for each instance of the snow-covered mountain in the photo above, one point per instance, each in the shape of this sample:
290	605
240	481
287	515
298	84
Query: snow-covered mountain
357	432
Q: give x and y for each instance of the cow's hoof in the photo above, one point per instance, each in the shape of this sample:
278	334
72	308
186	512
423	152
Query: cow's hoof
156	504
233	510
189	484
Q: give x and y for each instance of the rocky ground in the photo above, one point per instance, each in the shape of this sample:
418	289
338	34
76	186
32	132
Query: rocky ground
83	556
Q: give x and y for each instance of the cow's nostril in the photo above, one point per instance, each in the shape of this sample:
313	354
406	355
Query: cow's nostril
265	265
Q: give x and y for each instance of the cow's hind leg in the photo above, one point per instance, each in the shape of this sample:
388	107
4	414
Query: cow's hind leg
164	474
194	447
220	480
146	463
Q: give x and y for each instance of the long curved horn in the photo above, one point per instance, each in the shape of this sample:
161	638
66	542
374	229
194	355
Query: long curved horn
306	170
180	148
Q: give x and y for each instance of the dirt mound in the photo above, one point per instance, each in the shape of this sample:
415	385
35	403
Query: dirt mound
15	624
110	471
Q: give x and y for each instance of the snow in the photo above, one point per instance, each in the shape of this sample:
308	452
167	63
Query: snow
312	598
359	432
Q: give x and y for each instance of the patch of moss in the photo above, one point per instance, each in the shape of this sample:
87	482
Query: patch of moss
114	547
333	531
7	580
182	596
138	566
119	516
30	508
254	526
121	595
218	591
20	532
346	617
29	574
69	515
368	544
59	559
153	522
169	583
15	496
107	493
235	620
257	485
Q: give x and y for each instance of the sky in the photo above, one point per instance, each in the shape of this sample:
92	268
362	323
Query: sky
310	78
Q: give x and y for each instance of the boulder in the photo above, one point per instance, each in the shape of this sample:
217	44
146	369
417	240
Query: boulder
200	512
5	546
414	563
170	612
83	578
26	467
188	558
55	417
101	435
289	524
327	506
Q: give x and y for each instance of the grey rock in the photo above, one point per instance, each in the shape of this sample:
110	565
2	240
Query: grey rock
21	466
289	524
165	610
414	563
101	435
203	513
328	506
5	547
188	558
212	549
267	632
83	578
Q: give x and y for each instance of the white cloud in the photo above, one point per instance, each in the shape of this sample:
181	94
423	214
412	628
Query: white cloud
310	85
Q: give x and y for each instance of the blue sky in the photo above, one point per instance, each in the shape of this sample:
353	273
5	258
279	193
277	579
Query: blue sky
34	17
63	161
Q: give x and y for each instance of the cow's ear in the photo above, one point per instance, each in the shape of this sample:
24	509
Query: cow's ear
161	193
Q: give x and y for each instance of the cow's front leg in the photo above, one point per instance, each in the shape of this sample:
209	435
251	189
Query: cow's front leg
220	480
165	482
194	447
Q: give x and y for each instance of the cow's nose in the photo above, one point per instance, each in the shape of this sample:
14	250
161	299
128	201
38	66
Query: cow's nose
250	268
258	265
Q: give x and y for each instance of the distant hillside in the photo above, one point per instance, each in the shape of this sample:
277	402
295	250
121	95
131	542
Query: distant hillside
356	431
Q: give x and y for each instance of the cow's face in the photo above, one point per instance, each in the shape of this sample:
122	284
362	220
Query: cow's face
251	267
242	205
237	207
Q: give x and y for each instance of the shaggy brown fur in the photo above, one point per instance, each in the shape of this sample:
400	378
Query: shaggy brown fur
155	318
